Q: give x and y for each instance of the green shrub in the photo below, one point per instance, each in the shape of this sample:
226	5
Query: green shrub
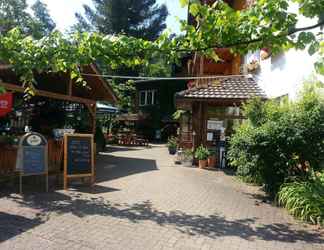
304	199
172	142
202	153
188	154
279	141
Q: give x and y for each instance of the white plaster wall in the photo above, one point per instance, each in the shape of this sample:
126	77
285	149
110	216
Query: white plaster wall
284	74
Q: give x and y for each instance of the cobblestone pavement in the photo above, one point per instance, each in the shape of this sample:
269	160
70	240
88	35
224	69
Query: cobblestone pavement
142	201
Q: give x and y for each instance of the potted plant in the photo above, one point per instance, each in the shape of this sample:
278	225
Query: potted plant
212	159
188	157
172	145
202	154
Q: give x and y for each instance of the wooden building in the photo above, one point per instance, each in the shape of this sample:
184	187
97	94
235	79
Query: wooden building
214	108
58	100
213	103
155	101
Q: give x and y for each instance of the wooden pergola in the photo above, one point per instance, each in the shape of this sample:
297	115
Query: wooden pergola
59	86
56	86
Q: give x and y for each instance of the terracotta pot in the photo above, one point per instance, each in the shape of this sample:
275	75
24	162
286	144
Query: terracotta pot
202	163
211	161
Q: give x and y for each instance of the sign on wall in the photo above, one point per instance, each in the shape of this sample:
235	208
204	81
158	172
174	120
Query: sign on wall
78	157
5	104
215	125
33	156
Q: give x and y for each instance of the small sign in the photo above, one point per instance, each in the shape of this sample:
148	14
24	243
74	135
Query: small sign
5	104
210	136
215	125
78	157
33	156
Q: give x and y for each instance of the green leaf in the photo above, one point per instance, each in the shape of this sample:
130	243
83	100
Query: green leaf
184	3
194	9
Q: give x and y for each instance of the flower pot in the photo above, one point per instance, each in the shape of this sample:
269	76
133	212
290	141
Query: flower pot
211	161
202	163
172	151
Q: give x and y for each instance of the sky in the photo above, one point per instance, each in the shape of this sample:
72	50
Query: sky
62	11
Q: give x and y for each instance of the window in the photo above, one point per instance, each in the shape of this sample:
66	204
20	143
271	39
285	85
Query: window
142	96
147	97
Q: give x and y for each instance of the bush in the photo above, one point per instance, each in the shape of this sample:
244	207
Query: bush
172	142
202	153
188	154
279	141
304	199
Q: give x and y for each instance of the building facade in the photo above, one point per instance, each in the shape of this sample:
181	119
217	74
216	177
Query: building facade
212	104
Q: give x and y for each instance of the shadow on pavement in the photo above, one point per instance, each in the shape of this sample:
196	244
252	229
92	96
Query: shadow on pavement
115	148
12	225
212	226
111	167
108	167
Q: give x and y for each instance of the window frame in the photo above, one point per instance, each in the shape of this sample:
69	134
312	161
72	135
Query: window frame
147	102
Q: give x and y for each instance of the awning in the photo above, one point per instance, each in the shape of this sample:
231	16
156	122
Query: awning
106	109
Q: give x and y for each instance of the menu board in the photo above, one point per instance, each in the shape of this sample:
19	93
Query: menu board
79	154
32	157
32	154
34	160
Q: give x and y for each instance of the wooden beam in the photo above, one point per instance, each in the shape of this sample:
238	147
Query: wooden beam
48	94
70	87
92	110
105	84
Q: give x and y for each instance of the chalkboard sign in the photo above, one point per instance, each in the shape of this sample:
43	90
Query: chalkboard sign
33	160
32	156
78	156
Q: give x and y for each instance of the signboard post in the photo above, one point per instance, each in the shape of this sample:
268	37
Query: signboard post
32	157
78	157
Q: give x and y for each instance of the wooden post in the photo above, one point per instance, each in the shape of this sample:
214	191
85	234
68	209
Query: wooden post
70	87
20	183
65	163
94	121
92	110
203	121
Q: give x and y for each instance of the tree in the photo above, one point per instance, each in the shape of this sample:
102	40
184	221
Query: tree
13	13
43	23
265	24
137	18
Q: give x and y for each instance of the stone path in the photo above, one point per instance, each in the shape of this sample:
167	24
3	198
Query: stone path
143	201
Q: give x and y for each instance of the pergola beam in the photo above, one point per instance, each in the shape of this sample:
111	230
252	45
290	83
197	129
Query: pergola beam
43	93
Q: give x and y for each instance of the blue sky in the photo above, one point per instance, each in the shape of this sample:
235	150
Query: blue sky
63	11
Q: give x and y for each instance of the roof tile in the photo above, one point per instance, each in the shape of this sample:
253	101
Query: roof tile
231	87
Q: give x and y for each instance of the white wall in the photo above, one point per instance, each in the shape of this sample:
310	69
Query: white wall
284	74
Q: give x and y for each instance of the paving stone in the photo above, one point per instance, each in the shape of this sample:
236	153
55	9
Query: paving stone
146	202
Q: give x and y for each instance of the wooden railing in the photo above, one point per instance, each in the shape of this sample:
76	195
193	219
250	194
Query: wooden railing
8	156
